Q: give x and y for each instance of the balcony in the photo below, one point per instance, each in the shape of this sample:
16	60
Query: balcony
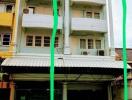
6	19
102	2
39	21
89	24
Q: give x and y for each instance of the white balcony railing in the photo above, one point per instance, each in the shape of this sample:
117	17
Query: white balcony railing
89	24
78	24
90	1
39	21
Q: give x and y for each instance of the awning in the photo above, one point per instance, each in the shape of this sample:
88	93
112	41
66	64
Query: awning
61	63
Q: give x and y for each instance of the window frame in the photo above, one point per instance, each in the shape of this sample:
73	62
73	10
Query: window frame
92	46
12	9
42	41
93	12
47	43
32	41
81	47
94	43
2	37
35	40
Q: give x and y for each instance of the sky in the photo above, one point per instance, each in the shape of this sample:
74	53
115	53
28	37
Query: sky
117	22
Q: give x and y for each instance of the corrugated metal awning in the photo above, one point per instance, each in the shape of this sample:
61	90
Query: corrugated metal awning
60	62
63	65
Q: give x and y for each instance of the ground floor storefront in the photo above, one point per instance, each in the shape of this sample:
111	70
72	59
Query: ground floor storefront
75	78
63	91
69	87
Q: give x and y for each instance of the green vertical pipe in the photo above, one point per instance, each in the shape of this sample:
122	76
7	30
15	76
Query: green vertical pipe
124	6
55	25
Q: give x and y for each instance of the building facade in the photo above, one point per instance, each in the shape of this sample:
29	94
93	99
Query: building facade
85	62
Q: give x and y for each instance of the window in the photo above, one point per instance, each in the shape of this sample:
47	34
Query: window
56	42
38	40
46	41
9	8
97	15
90	43
89	14
82	44
29	41
98	44
6	40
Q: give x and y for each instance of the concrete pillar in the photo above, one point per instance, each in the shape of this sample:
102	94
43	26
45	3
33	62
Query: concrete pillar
15	27
110	26
66	26
64	91
12	91
109	92
106	43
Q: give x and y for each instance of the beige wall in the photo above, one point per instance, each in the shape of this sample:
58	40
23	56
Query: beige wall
45	9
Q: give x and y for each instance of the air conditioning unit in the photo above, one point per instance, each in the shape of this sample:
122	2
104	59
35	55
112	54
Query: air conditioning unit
100	52
84	53
26	11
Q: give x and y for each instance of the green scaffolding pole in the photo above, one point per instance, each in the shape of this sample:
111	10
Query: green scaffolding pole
124	6
55	25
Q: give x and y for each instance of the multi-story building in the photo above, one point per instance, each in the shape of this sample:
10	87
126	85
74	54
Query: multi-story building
8	24
84	60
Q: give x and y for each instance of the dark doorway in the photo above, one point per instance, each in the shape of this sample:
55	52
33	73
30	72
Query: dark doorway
4	94
87	94
36	91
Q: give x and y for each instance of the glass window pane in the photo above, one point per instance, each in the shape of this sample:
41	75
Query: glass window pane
90	43
29	41
98	44
47	41
38	40
82	44
6	39
9	8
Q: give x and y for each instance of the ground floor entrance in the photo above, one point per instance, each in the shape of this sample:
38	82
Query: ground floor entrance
67	90
36	91
87	94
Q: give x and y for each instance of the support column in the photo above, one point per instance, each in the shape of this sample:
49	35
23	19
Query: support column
109	92
64	91
16	24
66	26
110	26
12	91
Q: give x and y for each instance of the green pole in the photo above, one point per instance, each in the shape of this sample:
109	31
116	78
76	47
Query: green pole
124	6
52	49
